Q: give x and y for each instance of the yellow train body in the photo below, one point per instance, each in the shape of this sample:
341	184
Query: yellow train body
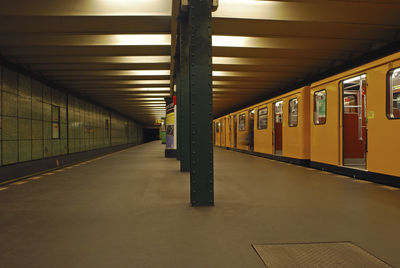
321	143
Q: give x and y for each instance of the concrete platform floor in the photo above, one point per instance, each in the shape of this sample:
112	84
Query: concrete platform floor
131	209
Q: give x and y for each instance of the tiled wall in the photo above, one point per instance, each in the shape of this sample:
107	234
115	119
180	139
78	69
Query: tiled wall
26	122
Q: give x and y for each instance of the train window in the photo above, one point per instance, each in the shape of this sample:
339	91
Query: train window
217	125
262	118
393	95
320	107
293	112
242	122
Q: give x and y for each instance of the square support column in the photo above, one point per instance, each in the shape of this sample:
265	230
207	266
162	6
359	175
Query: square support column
184	89
178	112
201	117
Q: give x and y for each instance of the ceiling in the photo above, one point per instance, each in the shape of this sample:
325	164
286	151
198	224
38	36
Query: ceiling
118	52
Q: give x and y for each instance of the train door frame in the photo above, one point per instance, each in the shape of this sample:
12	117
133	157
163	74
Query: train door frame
251	129
234	131
358	163
229	135
274	135
223	132
215	133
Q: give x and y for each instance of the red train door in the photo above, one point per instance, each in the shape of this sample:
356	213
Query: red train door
354	122
278	120
234	131
251	130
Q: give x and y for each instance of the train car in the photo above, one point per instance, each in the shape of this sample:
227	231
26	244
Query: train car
347	123
220	131
355	119
279	126
282	126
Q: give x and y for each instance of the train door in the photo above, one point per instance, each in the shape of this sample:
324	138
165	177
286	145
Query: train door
278	120
214	132
354	122
251	130
234	131
229	131
223	132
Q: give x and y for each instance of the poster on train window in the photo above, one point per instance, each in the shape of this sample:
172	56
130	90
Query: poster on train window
242	122
321	108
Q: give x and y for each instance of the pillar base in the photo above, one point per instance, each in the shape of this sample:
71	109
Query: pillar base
171	153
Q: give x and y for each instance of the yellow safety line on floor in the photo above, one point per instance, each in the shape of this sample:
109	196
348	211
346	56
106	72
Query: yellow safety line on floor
19	182
3	188
362	181
59	170
34	178
389	188
48	174
43	172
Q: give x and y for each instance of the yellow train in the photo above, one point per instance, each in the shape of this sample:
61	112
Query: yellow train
348	123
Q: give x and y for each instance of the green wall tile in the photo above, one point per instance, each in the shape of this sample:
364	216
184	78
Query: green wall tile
46	94
77	145
10	81
24	86
9	104
24	150
37	129
63	131
71	132
63	146
9	128
56	147
47	150
82	145
63	100
46	112
46	130
37	109
58	98
63	115
24	129
24	107
37	149
71	146
37	90
10	152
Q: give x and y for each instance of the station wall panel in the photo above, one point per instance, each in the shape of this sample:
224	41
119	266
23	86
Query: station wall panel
27	119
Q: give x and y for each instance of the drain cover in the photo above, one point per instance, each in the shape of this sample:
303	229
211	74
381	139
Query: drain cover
335	254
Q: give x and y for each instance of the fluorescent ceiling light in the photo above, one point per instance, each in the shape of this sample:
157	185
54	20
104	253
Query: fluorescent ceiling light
239	41
251	9
167	89
141	39
130	59
143	89
147	72
225	73
144	82
237	60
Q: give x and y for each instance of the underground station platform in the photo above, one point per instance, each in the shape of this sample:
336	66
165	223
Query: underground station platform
199	133
130	209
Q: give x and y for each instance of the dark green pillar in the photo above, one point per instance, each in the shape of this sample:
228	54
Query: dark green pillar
200	75
184	86
178	112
